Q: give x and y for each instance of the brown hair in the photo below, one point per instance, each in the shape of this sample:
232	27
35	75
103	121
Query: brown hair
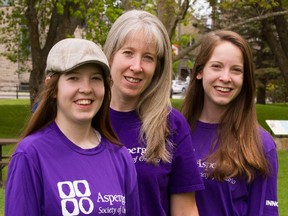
240	151
47	110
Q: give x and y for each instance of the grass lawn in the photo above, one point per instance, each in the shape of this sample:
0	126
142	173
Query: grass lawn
15	113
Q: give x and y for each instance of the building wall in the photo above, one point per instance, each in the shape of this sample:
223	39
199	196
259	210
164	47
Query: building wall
9	77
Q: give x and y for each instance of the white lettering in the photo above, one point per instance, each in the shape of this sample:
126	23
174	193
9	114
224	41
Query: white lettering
111	198
271	203
206	165
107	210
135	159
138	150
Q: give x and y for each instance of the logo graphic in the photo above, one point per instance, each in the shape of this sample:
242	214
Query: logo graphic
75	197
271	203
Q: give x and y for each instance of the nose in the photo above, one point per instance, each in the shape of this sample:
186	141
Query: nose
225	76
136	65
85	87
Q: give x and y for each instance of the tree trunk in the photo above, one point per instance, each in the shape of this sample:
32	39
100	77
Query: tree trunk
170	13
60	27
276	48
281	27
261	93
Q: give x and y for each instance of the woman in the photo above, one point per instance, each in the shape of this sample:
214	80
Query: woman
70	161
158	137
237	158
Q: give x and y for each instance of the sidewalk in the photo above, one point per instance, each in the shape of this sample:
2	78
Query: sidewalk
13	95
26	95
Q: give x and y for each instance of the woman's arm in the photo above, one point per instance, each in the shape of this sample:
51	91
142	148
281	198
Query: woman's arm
183	204
22	191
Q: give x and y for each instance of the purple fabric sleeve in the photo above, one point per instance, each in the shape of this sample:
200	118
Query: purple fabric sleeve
263	191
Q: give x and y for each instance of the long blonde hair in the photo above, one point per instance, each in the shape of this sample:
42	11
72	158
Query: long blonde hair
240	151
154	104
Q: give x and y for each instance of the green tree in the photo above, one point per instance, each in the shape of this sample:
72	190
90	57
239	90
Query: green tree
271	18
31	27
257	24
42	23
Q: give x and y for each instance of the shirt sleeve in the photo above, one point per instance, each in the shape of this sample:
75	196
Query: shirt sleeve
132	194
23	196
185	176
263	191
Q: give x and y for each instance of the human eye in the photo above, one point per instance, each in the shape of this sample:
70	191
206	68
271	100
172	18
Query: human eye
127	52
98	77
216	66
149	58
237	70
72	77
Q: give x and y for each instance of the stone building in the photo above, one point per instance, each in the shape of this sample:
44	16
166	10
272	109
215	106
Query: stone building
10	79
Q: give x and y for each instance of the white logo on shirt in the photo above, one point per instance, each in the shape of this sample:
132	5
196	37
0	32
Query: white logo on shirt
271	203
69	201
206	166
137	154
75	200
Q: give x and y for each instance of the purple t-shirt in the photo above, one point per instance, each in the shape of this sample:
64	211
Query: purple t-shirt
50	175
157	182
234	196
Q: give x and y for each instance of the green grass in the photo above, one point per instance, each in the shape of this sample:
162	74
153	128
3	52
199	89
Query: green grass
282	182
14	114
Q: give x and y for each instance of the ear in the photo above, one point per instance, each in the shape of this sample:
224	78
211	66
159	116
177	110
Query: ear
199	75
47	80
110	61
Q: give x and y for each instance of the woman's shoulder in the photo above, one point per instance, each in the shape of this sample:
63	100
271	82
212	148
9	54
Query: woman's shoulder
36	140
267	140
115	148
176	117
178	126
118	152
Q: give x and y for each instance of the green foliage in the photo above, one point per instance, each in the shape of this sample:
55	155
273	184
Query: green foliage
95	16
240	4
98	22
277	91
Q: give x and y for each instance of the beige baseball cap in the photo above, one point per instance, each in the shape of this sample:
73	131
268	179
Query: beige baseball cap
71	53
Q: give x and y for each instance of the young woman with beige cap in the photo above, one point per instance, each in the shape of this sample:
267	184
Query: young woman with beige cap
70	161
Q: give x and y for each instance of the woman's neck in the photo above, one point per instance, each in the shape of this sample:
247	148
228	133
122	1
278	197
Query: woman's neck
123	104
212	115
82	135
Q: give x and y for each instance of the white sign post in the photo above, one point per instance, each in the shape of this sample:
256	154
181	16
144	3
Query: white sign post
278	127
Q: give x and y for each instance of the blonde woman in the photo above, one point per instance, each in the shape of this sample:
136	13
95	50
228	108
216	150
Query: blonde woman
157	136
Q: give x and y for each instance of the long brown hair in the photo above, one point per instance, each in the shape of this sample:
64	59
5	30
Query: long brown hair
47	110
240	151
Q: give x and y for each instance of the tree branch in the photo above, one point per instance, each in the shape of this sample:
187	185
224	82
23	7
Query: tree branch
258	18
187	50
